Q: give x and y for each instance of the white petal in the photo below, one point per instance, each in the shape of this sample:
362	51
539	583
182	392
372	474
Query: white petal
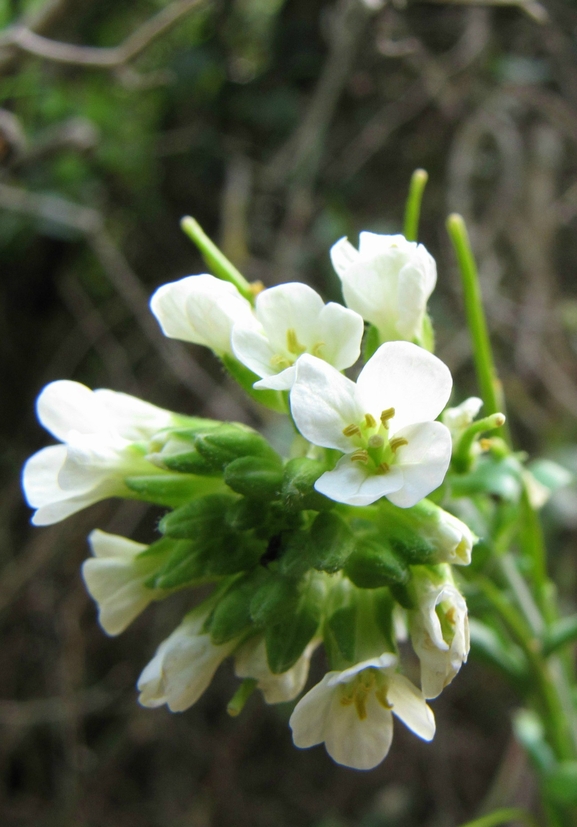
58	510
343	254
251	662
293	306
90	460
412	295
409	705
66	406
323	402
382	662
118	588
200	309
40	476
372	245
373	294
341	332
309	719
350	482
132	418
103	544
423	462
356	743
407	378
282	381
253	349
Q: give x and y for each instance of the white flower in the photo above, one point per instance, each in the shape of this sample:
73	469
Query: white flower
352	712
459	418
99	430
382	423
388	280
183	666
250	661
201	309
292	320
455	539
115	579
439	633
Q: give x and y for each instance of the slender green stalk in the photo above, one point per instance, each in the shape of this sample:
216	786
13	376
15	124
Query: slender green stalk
240	697
462	459
417	186
503	816
564	631
489	384
215	258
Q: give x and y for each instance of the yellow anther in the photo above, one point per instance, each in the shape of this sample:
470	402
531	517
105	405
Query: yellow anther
316	349
485	444
360	456
293	344
450	615
280	362
361	704
376	441
384	468
256	287
352	430
381	696
386	415
397	442
370	421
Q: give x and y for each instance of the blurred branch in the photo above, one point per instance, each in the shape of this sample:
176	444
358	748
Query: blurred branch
29	41
532	8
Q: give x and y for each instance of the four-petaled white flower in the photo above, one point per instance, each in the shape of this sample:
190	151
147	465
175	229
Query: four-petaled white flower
439	630
352	712
100	430
201	309
115	578
388	280
250	661
292	320
383	424
183	666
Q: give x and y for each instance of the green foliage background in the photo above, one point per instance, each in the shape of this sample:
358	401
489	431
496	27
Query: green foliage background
280	126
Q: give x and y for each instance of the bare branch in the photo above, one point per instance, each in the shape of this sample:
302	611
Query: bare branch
105	58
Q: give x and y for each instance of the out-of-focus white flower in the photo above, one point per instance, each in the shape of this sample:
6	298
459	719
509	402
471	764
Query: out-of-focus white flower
383	424
439	630
352	712
201	309
183	666
250	662
293	320
115	579
455	539
388	280
100	431
459	418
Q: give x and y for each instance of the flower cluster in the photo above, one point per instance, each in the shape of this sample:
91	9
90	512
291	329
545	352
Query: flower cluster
336	545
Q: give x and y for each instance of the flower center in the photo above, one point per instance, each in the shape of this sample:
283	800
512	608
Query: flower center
294	349
357	692
371	442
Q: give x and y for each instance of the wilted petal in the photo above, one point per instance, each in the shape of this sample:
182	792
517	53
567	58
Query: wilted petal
352	483
423	462
410	706
323	402
407	378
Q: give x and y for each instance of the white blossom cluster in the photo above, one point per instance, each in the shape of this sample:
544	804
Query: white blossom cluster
378	437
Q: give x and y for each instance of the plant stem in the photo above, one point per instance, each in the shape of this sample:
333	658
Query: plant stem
417	186
506	814
489	384
221	267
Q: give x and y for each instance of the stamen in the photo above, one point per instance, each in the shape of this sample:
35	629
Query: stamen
397	442
485	444
293	345
450	615
256	287
376	441
361	704
316	349
370	421
381	696
281	362
360	456
384	468
352	430
386	415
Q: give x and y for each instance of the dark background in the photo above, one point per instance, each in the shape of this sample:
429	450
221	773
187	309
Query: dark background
280	126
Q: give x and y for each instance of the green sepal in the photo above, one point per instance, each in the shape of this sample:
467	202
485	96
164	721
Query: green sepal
413	533
257	477
180	569
384	604
197	517
171	490
373	564
246	379
275	600
427	337
296	553
189	462
402	595
371	342
245	514
341	631
286	640
331	542
298	492
231	616
221	446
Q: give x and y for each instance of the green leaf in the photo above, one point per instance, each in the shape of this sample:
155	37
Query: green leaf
254	476
298	492
487	647
331	542
374	564
171	490
561	783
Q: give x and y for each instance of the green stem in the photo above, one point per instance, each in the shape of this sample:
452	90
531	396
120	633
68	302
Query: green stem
215	258
503	816
462	458
417	186
564	631
241	696
489	384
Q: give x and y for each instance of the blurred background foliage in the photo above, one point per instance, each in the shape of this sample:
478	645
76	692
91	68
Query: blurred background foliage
281	125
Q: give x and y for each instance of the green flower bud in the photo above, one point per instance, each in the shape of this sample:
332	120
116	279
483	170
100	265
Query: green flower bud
255	476
298	492
170	490
221	446
331	542
374	564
